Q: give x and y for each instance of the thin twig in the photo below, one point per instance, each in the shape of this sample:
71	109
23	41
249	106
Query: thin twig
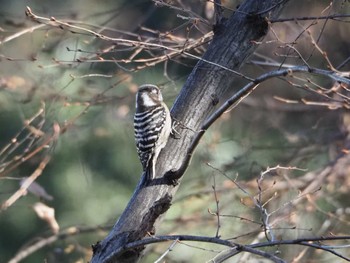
170	248
23	189
59	24
217	213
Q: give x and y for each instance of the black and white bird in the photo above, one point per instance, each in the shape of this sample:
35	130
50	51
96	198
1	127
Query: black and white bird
152	124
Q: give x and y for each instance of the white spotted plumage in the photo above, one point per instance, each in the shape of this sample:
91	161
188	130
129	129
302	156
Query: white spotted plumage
152	124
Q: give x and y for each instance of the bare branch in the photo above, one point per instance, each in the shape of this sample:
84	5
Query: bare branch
42	242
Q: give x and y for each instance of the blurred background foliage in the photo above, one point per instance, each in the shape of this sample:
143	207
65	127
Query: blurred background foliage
94	165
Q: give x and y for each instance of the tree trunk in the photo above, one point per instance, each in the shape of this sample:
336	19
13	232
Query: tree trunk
232	44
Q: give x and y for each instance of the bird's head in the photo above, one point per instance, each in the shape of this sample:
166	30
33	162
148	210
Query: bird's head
148	95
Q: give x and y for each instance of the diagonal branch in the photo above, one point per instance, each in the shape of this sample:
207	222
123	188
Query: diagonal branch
233	42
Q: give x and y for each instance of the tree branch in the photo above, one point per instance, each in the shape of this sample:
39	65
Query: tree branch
233	42
237	248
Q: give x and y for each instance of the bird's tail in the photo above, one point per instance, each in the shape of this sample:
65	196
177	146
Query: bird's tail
150	171
147	175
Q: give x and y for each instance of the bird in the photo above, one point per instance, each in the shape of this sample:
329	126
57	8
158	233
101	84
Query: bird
152	126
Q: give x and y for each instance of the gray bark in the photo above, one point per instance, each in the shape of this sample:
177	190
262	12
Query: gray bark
232	44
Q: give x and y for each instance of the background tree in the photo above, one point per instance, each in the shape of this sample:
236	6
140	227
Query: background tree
263	177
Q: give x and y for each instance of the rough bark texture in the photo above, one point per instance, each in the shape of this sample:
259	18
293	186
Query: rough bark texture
232	44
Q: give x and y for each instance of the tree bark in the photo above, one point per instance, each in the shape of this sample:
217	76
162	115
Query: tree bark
232	44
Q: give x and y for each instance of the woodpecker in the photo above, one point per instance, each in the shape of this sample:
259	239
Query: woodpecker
152	124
